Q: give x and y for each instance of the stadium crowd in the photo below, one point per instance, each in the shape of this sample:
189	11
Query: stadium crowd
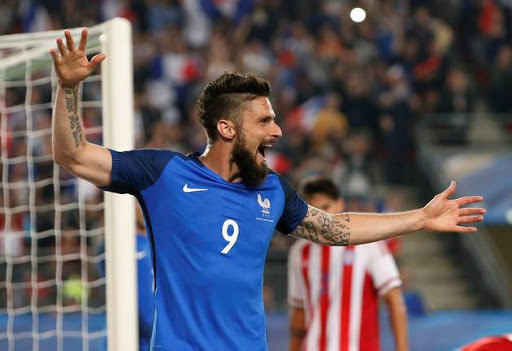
348	95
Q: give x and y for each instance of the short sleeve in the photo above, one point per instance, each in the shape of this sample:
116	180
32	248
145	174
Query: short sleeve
382	268
295	208
133	171
296	294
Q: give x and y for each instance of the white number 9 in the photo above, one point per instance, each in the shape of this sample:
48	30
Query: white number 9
231	239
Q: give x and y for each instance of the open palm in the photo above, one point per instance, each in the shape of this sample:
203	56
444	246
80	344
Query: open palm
443	214
71	63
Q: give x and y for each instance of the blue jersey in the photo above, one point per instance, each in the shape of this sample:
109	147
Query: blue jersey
209	239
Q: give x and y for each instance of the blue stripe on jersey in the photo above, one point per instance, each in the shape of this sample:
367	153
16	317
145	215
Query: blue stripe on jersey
210	239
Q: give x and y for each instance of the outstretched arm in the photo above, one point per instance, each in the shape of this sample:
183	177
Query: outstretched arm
440	214
70	148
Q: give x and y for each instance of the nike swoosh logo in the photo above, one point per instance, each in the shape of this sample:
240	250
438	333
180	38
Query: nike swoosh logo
186	189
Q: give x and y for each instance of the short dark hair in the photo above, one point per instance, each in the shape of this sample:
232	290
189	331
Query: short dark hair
319	185
225	97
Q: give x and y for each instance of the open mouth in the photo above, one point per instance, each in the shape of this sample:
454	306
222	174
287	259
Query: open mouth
262	148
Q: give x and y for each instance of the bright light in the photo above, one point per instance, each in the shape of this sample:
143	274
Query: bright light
357	14
508	215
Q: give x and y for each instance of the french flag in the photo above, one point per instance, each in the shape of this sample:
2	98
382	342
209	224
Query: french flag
177	68
304	116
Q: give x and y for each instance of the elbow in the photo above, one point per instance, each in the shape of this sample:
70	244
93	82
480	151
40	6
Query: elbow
66	160
62	159
58	159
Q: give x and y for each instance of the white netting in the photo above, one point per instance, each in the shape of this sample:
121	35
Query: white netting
52	288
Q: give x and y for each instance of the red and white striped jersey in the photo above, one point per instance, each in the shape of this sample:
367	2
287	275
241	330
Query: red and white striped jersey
338	287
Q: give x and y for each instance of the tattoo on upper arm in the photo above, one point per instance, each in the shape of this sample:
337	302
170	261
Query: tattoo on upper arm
71	97
320	227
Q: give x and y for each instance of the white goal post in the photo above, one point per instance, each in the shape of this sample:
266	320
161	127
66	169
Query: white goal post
26	71
118	129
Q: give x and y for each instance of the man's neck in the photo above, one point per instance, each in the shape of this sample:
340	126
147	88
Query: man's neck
218	158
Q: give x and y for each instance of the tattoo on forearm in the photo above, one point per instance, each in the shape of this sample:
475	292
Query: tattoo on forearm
321	227
71	96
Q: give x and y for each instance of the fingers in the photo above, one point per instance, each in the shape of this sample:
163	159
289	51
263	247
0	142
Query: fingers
83	40
97	60
70	43
61	47
54	54
468	200
461	229
466	220
450	190
471	211
470	219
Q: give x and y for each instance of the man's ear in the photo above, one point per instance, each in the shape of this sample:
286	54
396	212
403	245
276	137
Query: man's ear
226	129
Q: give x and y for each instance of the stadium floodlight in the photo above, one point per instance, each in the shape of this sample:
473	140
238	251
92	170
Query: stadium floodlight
52	295
357	14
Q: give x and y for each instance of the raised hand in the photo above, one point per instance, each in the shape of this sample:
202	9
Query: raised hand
443	214
71	63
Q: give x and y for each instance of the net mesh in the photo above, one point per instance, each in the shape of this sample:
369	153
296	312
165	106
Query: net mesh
52	286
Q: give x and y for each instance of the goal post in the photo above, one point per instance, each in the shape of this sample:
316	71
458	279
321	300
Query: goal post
118	129
52	294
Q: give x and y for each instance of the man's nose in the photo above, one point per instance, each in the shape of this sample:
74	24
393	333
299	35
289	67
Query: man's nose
276	131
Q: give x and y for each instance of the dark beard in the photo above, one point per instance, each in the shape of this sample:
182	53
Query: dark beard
249	170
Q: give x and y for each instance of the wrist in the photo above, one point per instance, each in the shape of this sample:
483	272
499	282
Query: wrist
422	219
69	85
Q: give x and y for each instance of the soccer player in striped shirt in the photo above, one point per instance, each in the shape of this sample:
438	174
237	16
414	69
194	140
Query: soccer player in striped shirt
333	291
211	216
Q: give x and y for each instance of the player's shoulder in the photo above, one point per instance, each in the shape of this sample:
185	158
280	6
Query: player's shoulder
280	181
165	153
373	251
149	153
274	175
160	155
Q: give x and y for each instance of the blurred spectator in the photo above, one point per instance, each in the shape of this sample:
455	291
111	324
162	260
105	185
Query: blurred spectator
261	23
7	16
357	179
330	125
358	105
163	14
501	81
218	59
396	121
256	58
457	95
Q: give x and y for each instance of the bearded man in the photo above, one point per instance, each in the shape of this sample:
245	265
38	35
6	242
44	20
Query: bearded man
210	216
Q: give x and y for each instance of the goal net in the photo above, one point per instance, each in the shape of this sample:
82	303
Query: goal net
53	226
